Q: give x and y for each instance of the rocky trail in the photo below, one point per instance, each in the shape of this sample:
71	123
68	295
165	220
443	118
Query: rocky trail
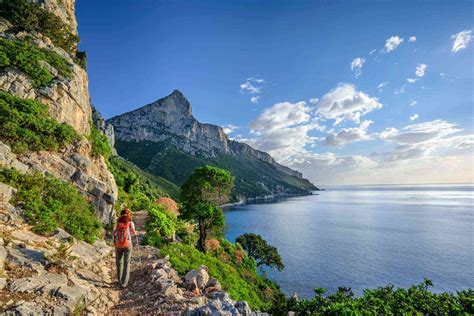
58	275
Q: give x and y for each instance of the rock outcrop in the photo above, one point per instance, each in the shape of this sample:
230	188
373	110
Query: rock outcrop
68	102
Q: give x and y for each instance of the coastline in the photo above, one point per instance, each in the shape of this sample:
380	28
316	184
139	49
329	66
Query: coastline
264	199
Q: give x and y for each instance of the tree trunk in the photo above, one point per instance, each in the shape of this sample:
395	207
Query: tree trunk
202	238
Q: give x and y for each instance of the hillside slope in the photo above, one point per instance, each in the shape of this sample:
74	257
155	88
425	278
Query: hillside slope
166	140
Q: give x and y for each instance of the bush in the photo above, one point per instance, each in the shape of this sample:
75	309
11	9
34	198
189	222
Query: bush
26	16
416	300
30	59
49	203
26	125
241	281
100	144
159	222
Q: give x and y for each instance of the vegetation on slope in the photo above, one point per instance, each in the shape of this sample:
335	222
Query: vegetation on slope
49	203
30	59
26	125
27	16
100	143
229	264
416	300
253	177
138	189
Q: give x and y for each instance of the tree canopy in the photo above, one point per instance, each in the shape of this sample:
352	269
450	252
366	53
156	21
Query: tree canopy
261	251
203	192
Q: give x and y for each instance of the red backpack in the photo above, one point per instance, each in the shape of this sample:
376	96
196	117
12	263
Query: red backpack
122	235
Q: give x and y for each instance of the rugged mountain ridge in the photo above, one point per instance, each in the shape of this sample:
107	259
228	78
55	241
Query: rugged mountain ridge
168	125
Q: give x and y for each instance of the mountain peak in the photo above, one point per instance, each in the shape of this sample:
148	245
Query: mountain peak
177	100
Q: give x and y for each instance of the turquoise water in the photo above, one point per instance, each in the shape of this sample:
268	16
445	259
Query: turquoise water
367	236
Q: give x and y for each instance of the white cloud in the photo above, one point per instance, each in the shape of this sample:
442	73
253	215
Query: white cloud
372	51
382	85
255	99
413	103
414	117
348	135
442	74
420	133
412	39
252	86
401	90
392	43
412	80
346	103
313	100
461	40
229	128
356	66
420	70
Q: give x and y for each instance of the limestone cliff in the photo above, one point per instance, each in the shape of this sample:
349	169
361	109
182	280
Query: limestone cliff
68	102
142	133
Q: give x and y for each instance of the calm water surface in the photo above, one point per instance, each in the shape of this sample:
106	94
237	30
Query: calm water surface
367	236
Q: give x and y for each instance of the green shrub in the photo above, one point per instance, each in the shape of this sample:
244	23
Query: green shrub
49	203
26	125
30	59
26	16
416	300
158	221
100	144
237	274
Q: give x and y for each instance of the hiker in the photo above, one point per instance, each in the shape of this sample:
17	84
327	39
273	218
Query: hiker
124	229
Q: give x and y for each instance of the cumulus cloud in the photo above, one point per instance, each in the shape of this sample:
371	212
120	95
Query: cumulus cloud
255	99
348	135
356	66
420	70
392	43
346	103
414	117
461	40
412	80
412	39
413	103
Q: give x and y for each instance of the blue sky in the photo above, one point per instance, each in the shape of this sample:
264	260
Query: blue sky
283	54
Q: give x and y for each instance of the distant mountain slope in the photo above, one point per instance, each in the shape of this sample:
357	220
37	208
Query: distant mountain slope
166	140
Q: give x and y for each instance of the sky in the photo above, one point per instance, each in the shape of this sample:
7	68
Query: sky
348	92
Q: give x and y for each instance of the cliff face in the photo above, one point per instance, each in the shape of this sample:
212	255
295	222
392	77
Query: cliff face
68	102
171	119
165	139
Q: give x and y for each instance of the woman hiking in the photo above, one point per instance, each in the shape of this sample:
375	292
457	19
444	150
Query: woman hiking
124	229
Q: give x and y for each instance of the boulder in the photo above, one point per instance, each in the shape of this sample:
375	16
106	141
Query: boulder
25	308
38	283
213	285
25	258
244	308
72	295
197	279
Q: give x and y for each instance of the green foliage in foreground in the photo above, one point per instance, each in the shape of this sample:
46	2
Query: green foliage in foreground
160	223
100	144
49	203
416	300
235	271
30	59
27	16
26	125
138	190
258	248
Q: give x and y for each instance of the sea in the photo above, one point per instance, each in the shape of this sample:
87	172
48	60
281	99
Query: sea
366	237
